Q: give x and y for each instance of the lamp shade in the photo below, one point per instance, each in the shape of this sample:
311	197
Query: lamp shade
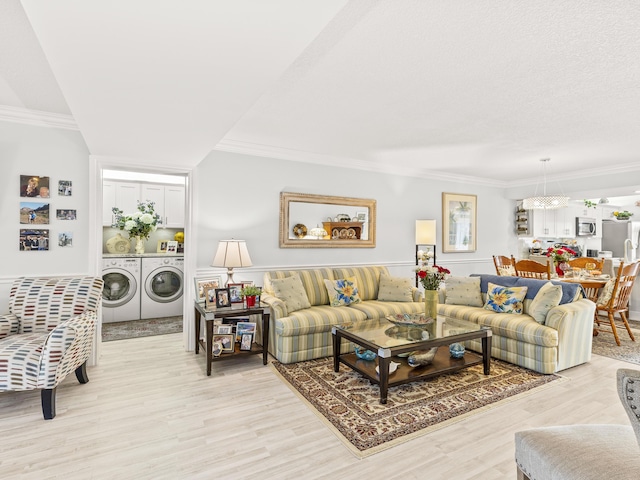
425	232
232	253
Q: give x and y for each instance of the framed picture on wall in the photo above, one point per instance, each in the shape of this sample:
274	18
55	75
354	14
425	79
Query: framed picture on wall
459	222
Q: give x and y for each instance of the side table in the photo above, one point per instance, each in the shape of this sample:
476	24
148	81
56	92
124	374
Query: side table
229	312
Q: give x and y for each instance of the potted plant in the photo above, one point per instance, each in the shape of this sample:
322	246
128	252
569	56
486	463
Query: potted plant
249	293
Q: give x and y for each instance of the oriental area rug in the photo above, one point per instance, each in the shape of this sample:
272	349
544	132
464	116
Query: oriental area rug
604	343
349	404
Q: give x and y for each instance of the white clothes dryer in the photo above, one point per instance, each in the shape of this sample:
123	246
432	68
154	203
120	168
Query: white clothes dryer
121	291
163	286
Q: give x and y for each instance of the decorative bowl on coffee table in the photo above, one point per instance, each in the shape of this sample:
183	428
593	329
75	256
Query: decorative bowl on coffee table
410	319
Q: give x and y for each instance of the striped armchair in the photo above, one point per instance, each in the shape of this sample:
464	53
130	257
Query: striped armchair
47	334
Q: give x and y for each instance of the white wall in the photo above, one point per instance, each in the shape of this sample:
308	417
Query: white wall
60	155
238	197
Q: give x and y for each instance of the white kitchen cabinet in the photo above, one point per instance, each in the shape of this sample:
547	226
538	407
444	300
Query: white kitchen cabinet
124	195
544	223
169	203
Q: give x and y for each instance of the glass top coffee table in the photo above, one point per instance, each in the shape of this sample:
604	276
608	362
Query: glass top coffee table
388	340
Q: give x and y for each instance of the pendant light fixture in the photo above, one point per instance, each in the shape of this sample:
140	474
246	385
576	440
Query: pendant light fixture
545	201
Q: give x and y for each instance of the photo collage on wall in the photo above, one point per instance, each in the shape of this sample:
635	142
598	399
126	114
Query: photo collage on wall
35	213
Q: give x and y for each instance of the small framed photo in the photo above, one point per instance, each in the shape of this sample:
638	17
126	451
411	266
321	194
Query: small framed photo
247	340
361	217
226	329
36	213
172	247
222	298
34	240
64	188
227	342
235	292
66	214
162	246
204	285
243	328
65	239
34	186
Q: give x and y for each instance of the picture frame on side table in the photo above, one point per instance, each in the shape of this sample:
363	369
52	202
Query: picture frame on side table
244	328
211	283
459	222
222	298
247	340
235	290
224	329
227	342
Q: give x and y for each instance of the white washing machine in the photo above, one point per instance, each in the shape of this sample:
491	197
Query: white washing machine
121	291
162	287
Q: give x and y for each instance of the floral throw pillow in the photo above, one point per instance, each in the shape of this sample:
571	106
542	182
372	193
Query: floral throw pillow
505	299
342	292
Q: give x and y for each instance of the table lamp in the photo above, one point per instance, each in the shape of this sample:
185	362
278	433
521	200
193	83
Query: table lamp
230	254
425	235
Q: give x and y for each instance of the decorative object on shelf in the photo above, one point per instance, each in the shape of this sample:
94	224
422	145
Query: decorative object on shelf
422	358
342	217
179	237
625	215
545	201
138	225
139	248
393	366
459	222
300	230
318	232
363	354
456	350
590	204
561	255
231	254
118	244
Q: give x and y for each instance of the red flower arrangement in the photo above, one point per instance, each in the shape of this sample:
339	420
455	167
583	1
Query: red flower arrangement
430	276
561	254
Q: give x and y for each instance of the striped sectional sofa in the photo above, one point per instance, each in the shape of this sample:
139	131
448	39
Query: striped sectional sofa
562	341
305	334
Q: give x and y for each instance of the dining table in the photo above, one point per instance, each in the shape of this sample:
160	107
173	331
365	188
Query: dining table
592	287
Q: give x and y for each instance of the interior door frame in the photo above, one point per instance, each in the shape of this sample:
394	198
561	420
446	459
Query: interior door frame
97	164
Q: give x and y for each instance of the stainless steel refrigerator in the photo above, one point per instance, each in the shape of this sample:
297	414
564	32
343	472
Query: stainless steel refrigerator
615	235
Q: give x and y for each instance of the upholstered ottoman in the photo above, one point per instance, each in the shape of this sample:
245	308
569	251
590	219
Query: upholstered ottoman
584	452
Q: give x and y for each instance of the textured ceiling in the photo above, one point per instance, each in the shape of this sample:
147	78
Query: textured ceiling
477	90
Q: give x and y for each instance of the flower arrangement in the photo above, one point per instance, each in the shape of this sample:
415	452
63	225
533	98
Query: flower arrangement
138	224
622	215
561	254
431	276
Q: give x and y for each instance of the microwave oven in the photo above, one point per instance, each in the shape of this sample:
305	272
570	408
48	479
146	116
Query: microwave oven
585	227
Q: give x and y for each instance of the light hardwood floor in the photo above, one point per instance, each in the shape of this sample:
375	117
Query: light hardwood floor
150	412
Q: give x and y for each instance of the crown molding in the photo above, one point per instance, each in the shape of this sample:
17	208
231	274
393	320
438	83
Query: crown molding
37	118
249	148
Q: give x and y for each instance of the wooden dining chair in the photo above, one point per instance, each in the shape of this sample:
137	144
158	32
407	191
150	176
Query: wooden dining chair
581	262
532	269
504	265
618	301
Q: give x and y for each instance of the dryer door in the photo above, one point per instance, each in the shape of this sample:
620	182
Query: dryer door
119	288
164	284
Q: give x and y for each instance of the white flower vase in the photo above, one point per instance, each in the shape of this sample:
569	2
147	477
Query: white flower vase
139	245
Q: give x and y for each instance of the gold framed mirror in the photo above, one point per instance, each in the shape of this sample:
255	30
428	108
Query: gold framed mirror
321	221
